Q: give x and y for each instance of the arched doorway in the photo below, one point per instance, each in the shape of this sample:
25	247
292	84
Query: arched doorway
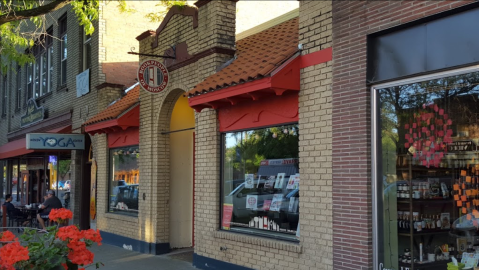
182	123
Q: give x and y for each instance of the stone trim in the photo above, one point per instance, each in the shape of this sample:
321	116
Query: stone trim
185	11
122	218
200	55
113	85
147	33
201	3
260	241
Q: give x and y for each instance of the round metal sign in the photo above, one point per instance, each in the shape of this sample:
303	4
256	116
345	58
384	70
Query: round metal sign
153	76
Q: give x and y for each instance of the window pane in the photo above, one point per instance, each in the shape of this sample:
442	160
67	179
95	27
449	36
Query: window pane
64	47
44	73
37	77
50	68
427	161
64	60
29	81
125	180
261	181
19	88
5	91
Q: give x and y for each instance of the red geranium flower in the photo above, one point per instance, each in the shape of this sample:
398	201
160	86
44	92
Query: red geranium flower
7	236
12	253
60	215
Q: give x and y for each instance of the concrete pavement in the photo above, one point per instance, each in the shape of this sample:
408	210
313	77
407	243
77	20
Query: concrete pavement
116	258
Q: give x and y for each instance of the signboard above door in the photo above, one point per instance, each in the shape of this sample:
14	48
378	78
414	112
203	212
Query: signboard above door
34	114
51	141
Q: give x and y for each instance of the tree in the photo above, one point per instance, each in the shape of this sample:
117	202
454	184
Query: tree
63	167
18	15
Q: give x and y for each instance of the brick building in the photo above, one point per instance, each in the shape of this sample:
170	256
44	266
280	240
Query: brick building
178	152
369	106
49	88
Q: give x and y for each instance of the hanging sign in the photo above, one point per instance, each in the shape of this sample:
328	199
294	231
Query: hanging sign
34	114
153	76
53	141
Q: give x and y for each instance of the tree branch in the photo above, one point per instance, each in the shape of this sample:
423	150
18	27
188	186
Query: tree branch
29	13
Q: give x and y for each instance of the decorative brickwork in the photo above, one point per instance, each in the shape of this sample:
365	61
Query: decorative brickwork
352	206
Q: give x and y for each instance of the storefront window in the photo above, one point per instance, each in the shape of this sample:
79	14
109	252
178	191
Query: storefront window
427	172
260	182
125	180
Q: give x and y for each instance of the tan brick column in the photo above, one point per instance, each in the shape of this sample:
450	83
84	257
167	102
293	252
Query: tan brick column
315	139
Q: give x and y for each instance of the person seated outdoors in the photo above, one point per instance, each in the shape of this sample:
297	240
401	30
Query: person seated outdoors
12	211
51	202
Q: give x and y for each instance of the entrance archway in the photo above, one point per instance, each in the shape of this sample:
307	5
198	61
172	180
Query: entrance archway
182	123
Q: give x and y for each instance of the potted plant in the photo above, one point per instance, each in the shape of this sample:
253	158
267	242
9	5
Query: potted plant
61	247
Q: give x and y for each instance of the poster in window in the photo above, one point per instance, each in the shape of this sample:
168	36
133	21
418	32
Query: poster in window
296	181
269	183
291	204
279	180
251	201
291	182
266	205
249	181
276	203
227	214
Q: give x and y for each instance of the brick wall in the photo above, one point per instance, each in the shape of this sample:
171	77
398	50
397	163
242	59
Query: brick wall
352	22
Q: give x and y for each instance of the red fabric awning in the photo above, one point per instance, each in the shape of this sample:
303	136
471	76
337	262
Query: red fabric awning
14	148
18	147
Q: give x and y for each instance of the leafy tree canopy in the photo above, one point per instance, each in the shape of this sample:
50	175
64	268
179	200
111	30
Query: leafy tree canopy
18	15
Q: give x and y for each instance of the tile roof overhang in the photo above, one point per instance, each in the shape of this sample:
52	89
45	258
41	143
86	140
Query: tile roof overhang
18	147
285	78
267	63
130	118
121	115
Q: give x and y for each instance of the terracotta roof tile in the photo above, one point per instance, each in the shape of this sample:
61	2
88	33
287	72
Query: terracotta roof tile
117	108
257	56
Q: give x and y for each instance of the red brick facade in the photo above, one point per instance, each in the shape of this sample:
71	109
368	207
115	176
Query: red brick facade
352	203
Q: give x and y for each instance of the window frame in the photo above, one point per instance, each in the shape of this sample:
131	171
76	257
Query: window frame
19	88
29	72
63	35
257	233
4	95
86	54
376	140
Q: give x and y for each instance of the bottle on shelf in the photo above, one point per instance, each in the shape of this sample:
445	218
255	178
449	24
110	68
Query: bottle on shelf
438	222
432	222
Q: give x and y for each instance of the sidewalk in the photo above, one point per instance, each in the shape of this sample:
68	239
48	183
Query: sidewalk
116	258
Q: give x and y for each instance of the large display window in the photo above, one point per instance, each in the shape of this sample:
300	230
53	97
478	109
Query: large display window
426	171
124	180
260	182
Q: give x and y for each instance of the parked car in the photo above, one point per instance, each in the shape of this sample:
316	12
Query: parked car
128	195
61	184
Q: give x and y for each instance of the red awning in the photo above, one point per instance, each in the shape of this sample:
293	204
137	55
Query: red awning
18	147
14	148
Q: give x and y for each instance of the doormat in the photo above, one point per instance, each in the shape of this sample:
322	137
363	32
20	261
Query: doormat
186	255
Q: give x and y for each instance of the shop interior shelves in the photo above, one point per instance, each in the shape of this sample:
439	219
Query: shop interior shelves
426	265
438	200
425	232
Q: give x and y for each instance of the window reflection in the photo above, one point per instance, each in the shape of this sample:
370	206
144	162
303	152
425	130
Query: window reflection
429	168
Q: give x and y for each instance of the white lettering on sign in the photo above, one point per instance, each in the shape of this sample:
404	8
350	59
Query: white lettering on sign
153	76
